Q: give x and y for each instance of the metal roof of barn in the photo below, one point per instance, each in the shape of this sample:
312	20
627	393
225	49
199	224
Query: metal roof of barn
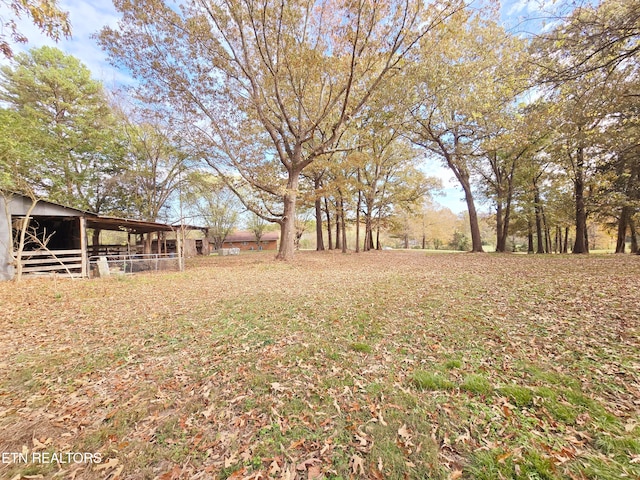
127	225
94	220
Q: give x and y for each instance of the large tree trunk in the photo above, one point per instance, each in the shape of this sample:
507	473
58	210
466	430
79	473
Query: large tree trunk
317	183
463	177
507	209
358	215
146	249
547	233
368	231
503	217
538	210
343	226
476	239
623	222
338	225
319	236
558	245
370	244
378	226
529	234
327	211
580	245
288	225
635	248
501	241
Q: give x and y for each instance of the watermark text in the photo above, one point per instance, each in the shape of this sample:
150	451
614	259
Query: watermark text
50	457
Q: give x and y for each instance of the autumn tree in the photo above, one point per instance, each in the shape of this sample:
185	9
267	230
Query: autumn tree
616	195
258	226
578	113
317	177
209	201
462	81
587	67
601	36
272	84
156	165
393	186
499	184
438	225
45	14
513	133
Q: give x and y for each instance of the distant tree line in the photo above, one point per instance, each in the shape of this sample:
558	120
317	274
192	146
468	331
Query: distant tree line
331	107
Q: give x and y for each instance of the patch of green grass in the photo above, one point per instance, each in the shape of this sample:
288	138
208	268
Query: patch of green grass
226	472
117	424
361	347
388	450
536	467
519	396
551	400
611	445
375	389
335	356
600	468
431	381
453	363
168	432
485	466
546	393
260	382
561	411
498	463
476	383
401	446
595	410
553	378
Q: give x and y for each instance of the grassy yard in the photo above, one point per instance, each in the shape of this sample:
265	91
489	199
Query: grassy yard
383	365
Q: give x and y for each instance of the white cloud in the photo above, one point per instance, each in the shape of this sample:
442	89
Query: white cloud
511	8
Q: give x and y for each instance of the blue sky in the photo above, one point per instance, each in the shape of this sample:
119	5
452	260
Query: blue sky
88	17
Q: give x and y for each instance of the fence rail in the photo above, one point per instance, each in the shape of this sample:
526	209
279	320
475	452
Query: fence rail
127	264
102	250
52	261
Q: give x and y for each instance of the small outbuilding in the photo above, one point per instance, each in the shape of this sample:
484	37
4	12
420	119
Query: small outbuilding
57	241
247	241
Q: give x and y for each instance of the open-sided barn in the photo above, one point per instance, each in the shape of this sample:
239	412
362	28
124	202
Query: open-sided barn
57	237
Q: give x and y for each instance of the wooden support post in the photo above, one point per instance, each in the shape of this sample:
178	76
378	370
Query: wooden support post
180	248
83	247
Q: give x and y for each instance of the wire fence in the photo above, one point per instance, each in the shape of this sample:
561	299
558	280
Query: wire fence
105	265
